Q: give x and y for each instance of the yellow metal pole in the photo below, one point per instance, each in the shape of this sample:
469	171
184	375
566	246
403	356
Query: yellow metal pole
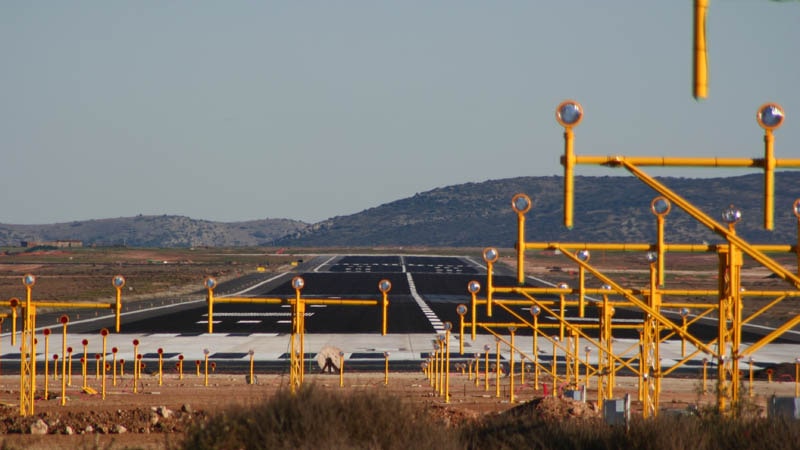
486	368
511	331
441	367
660	248
705	375
700	54
160	366
586	380
104	334
64	320
797	377
252	362
46	333
341	369
535	310
769	179
475	285
118	282
14	302
85	361
489	287
135	365
180	367
114	351
385	368
69	366
210	283
477	367
385	313
447	328
497	370
581	291
520	248
555	366
569	177
205	376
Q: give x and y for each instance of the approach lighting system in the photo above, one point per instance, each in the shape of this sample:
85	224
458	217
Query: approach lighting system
210	283
118	281
473	287
384	286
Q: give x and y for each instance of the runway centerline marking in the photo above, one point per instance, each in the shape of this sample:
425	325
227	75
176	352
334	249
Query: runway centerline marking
436	323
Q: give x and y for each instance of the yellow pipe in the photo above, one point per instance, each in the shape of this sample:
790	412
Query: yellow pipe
700	59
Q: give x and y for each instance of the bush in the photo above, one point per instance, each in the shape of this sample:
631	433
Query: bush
318	419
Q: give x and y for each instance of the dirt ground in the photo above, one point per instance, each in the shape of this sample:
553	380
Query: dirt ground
157	416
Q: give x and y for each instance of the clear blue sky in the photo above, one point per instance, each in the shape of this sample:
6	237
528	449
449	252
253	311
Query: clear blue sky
306	110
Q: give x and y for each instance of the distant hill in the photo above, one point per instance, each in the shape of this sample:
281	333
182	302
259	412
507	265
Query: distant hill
607	209
155	231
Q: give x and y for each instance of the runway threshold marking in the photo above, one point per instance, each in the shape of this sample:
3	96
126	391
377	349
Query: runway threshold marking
436	323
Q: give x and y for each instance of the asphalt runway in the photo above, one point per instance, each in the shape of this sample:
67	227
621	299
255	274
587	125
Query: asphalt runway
425	293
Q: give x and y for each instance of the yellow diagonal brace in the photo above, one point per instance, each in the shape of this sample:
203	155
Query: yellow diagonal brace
701	217
771	337
640	304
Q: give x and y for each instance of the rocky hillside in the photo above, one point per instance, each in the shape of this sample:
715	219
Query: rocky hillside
607	209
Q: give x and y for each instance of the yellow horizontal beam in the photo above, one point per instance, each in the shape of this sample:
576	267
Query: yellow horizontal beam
57	304
307	301
250	300
644	247
667	161
354	302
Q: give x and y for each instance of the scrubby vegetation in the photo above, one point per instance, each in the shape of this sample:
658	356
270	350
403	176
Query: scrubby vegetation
318	419
315	419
